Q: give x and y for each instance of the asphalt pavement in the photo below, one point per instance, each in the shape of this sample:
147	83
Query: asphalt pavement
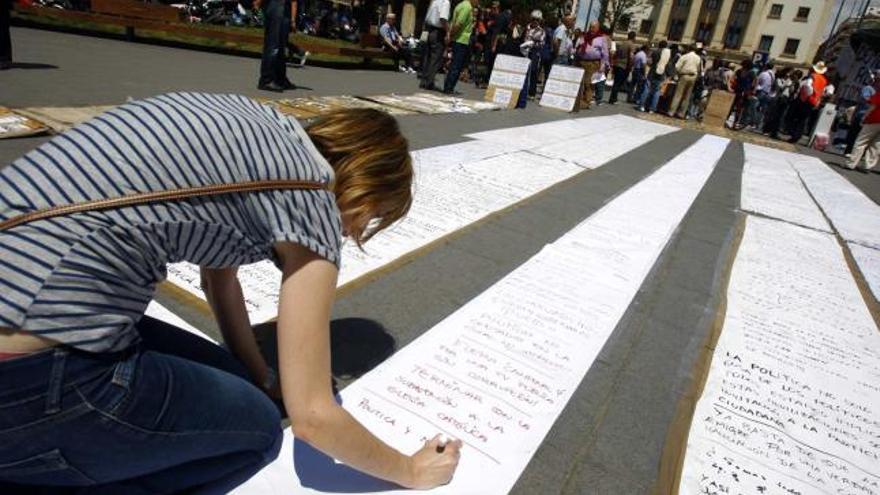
610	436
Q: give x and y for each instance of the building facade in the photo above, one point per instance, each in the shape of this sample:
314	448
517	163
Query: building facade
789	30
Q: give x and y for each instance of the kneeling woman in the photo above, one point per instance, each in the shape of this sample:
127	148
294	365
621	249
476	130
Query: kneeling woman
94	394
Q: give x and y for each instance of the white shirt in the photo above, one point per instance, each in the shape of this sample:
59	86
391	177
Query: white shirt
565	44
438	11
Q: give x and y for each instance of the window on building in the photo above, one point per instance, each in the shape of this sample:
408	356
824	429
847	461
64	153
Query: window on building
766	43
733	37
791	47
742	6
645	26
775	11
704	32
713	4
802	14
676	29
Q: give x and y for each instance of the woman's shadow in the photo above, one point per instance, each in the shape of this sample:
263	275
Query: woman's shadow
357	345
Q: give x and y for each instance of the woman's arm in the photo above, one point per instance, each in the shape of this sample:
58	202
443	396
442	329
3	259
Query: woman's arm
223	291
307	293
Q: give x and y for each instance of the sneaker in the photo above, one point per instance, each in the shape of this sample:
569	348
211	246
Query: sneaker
403	69
302	60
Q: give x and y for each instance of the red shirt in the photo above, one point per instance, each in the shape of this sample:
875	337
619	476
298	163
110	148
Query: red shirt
874	116
819	83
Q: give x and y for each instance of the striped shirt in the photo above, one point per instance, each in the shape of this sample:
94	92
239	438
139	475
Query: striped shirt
85	279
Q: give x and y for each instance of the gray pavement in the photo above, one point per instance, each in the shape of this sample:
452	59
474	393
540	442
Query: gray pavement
610	436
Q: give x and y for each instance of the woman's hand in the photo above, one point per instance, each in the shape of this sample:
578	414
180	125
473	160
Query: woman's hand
430	468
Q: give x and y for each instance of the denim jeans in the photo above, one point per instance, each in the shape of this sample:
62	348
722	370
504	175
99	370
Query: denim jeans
166	417
534	70
459	57
273	67
651	94
637	85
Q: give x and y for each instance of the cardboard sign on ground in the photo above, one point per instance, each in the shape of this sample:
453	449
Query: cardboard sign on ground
718	108
15	125
507	79
562	89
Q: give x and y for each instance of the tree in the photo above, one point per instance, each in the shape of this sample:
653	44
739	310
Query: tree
614	12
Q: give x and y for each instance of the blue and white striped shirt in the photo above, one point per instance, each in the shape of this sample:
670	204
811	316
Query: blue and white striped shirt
85	279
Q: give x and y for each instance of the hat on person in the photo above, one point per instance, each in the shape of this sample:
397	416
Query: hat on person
819	67
536	14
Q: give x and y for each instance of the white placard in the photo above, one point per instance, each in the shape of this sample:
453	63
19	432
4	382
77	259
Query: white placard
502	96
792	400
498	372
508	80
562	88
512	64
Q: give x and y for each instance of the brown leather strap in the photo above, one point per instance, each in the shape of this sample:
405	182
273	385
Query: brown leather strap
152	197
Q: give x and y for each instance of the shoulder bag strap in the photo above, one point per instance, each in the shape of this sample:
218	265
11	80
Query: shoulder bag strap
153	197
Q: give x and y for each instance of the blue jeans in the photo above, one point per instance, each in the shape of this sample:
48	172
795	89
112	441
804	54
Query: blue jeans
534	70
276	30
136	422
459	57
651	93
638	85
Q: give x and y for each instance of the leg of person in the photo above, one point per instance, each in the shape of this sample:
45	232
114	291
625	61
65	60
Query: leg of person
655	93
863	140
871	138
459	53
619	80
5	38
435	61
534	67
851	134
801	111
407	55
587	84
136	422
687	93
599	90
522	100
284	39
273	11
676	99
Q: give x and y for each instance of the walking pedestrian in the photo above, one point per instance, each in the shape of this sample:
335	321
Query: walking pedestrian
868	90
867	143
437	24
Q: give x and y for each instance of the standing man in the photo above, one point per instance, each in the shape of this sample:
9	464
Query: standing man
809	98
651	95
5	38
639	64
591	56
622	65
460	38
392	42
562	44
765	88
437	23
868	91
279	22
688	67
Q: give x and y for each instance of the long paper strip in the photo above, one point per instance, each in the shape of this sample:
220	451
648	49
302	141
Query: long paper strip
792	401
499	371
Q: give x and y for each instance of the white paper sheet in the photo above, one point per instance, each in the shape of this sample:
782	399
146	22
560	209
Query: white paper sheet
868	261
499	371
792	401
771	186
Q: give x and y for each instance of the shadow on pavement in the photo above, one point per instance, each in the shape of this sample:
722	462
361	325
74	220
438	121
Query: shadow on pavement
357	345
31	65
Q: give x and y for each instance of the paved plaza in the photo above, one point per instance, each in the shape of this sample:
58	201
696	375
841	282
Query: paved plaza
610	437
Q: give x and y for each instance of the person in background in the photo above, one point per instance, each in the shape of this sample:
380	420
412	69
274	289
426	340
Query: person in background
637	77
532	47
459	37
688	68
867	143
810	94
728	77
479	40
765	91
279	21
656	75
622	65
778	105
548	55
864	103
437	24
744	89
592	54
5	38
562	44
392	42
